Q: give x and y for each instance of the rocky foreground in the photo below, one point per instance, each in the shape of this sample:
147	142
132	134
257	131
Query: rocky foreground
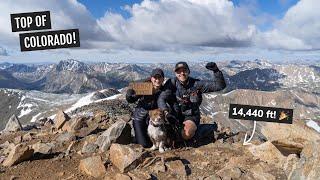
98	145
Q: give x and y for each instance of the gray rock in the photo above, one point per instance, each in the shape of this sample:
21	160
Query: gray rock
97	95
126	157
13	125
89	148
66	136
119	132
43	148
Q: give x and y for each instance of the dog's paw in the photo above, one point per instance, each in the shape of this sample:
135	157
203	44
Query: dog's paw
154	147
161	150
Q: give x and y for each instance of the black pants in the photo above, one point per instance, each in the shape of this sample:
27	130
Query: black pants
140	121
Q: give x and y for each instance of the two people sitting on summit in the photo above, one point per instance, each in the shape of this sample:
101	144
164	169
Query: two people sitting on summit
179	98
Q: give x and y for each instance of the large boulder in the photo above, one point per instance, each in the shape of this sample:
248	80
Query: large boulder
65	137
269	153
119	132
60	119
13	125
230	173
93	166
177	167
74	124
308	167
296	132
126	157
18	154
43	148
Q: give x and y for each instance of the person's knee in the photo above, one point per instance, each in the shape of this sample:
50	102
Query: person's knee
189	129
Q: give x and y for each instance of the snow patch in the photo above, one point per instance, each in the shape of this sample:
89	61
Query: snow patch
226	94
34	118
109	98
87	100
26	109
81	102
314	125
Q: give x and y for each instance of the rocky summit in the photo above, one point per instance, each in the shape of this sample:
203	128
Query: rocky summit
90	136
97	143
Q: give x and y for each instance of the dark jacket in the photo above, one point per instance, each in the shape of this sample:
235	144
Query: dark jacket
187	98
147	102
144	103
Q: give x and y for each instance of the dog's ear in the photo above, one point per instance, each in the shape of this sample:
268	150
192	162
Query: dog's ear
151	113
162	115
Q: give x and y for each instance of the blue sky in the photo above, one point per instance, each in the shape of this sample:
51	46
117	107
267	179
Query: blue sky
274	7
99	7
172	30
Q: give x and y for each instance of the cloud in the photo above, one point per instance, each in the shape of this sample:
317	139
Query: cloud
276	39
64	15
3	52
178	29
297	30
173	24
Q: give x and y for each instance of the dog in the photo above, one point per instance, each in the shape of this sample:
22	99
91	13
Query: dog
157	130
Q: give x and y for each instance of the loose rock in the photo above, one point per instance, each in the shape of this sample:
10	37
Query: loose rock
308	167
125	157
120	176
66	136
74	124
93	166
119	132
177	167
89	147
18	154
268	152
13	125
61	119
43	148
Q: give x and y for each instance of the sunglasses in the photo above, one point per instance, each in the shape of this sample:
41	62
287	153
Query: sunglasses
181	70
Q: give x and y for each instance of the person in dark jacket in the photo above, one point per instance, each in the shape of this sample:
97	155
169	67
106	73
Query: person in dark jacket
182	96
145	103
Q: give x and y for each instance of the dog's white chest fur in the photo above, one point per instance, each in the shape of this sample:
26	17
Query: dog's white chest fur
156	133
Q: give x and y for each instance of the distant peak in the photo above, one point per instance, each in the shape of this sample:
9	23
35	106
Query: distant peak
73	65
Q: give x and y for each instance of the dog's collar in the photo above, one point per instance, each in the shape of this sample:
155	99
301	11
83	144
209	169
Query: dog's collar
155	125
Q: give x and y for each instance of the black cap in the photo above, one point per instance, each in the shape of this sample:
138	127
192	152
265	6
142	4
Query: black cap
182	65
157	71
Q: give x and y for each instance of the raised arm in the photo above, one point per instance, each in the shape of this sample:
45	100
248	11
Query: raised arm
217	84
166	96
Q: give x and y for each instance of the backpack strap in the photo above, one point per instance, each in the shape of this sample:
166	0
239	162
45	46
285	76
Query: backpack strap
174	82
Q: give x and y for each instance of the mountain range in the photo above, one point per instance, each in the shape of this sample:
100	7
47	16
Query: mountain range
33	92
74	77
